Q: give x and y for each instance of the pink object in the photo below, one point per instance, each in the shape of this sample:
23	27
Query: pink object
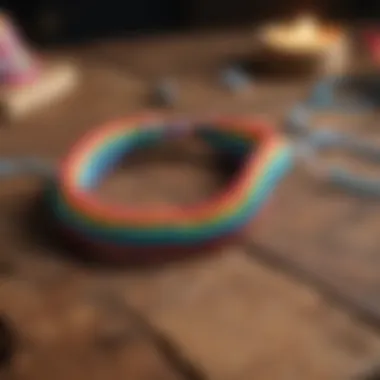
17	64
372	41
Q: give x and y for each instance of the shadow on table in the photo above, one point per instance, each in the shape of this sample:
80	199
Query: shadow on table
42	231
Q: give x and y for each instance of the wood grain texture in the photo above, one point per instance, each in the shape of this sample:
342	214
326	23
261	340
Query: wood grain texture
220	317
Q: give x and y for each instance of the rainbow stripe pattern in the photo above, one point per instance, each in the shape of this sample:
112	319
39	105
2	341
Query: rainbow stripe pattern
119	231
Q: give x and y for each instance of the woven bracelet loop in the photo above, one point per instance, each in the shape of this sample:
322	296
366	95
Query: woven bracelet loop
119	231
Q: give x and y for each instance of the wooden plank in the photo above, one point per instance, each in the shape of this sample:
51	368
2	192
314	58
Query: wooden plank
236	319
333	237
59	335
59	331
330	234
228	316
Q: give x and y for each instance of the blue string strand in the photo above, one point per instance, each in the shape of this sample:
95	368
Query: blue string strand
310	143
324	95
11	167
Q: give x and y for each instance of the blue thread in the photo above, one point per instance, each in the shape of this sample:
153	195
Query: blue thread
365	149
8	167
354	184
235	78
339	177
324	94
25	165
314	141
326	138
298	120
166	92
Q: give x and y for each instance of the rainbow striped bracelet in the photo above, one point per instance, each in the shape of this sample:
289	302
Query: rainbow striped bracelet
127	232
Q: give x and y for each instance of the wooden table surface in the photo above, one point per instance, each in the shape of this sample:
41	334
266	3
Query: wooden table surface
222	317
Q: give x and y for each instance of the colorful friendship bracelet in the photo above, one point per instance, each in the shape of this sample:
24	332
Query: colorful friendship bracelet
117	231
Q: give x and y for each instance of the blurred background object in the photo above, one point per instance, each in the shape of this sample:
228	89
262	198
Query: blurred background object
57	21
68	21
